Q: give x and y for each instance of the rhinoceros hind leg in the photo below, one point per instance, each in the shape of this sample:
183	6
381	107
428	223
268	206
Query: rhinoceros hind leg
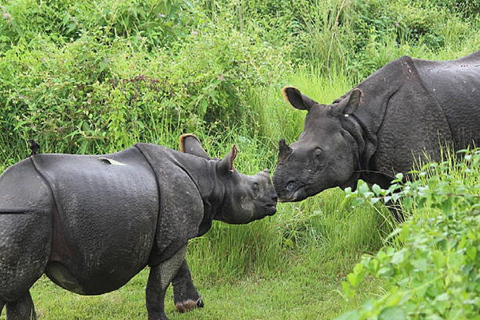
185	295
21	309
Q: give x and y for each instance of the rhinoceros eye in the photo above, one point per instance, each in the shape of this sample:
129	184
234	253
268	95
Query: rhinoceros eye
290	185
318	153
318	157
255	189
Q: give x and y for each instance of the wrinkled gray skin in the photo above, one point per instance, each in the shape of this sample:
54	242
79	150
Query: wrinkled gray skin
405	110
91	223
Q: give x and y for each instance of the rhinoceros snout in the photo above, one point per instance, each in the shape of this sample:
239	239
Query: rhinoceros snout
271	206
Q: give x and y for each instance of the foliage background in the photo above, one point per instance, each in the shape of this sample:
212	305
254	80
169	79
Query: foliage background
97	76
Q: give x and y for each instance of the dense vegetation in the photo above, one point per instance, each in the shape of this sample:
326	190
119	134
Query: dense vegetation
432	268
97	76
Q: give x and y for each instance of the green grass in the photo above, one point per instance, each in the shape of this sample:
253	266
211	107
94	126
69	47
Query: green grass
290	296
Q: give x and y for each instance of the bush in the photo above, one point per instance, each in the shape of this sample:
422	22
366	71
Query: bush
467	8
158	23
88	94
434	270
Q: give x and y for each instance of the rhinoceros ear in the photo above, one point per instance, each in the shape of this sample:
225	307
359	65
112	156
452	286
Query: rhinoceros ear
226	164
350	103
189	143
297	99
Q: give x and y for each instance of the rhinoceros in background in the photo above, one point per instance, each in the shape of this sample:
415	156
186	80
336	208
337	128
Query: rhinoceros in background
92	222
405	110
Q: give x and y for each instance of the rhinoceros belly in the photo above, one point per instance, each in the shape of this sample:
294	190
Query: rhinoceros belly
105	218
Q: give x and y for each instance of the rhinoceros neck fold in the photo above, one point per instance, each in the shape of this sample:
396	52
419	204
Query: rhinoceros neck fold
60	246
202	173
379	88
366	141
188	182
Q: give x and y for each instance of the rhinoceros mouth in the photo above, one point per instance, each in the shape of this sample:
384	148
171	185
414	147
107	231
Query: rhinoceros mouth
298	195
270	209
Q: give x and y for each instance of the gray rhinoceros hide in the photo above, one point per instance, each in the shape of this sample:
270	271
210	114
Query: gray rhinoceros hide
404	112
92	222
107	212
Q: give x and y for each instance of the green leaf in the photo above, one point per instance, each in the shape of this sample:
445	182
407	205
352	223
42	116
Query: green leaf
354	279
472	252
407	203
350	315
376	189
392	313
420	264
357	201
202	107
363	188
398	257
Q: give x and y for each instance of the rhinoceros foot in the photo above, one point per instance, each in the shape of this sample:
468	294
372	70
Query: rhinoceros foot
188	305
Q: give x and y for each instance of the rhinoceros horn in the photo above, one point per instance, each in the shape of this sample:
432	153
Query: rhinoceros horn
284	151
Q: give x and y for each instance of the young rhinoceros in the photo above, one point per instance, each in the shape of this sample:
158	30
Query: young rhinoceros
92	222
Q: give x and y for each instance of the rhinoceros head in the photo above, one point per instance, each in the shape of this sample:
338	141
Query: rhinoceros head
245	198
324	155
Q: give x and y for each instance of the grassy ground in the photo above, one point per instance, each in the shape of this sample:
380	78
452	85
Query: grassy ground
293	295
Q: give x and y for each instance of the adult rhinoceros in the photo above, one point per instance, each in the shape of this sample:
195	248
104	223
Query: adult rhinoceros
406	109
92	222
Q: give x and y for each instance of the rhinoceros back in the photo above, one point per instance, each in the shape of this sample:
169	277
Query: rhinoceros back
105	218
456	87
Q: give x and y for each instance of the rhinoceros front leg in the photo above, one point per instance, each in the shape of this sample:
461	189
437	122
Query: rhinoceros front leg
185	295
21	309
158	280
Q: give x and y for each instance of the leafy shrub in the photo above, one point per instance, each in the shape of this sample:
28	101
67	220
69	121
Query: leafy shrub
154	22
434	270
467	8
88	94
385	30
